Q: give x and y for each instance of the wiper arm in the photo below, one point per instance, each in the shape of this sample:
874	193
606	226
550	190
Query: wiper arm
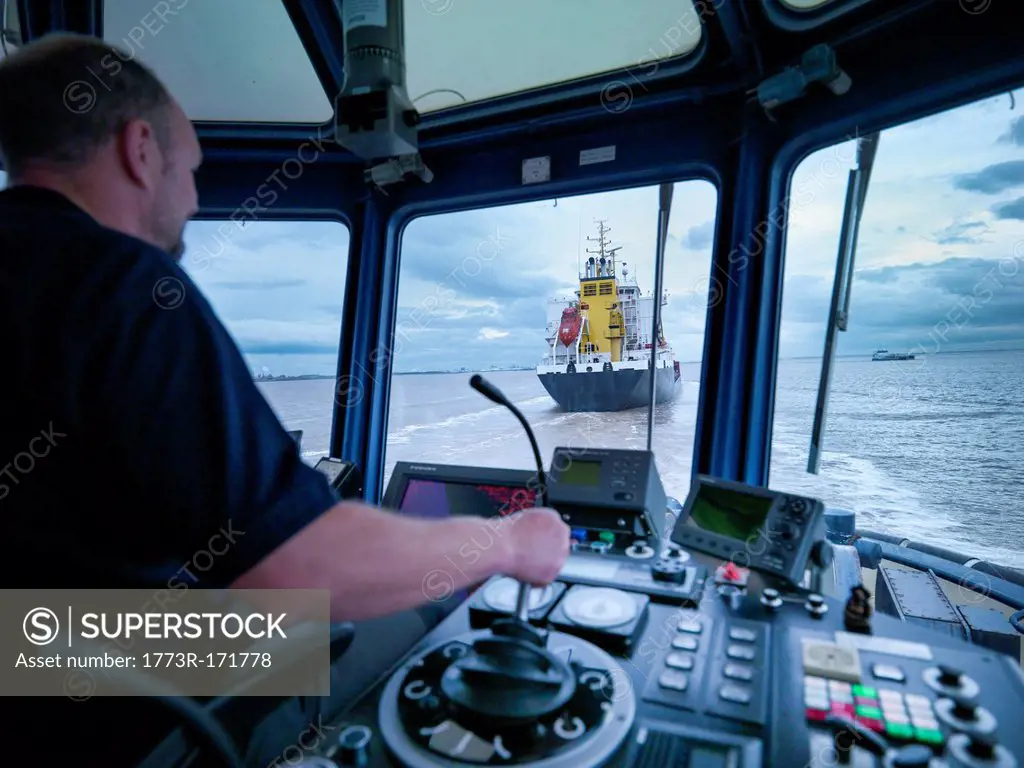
839	309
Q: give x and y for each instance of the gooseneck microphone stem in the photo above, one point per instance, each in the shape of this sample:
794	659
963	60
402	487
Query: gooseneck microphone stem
492	393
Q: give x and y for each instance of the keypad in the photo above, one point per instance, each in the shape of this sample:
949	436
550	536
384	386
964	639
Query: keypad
901	717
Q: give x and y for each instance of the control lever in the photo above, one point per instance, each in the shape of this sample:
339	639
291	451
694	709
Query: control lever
495	395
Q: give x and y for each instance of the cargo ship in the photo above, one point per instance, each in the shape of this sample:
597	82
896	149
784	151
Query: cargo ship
599	343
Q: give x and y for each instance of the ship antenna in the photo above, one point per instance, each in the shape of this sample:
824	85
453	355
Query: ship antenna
579	237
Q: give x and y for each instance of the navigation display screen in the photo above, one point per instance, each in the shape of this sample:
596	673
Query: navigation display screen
437	499
581	473
729	513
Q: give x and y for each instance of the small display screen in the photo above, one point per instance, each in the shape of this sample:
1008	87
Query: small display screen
729	513
581	473
438	499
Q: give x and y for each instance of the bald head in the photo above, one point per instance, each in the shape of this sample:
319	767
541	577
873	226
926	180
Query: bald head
82	118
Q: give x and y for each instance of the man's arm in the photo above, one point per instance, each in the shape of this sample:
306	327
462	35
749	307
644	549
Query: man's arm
170	399
376	562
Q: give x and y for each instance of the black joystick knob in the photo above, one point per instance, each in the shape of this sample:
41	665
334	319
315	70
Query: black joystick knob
982	745
509	677
965	707
353	747
950	676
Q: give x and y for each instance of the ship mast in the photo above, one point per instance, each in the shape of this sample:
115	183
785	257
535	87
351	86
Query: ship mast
604	263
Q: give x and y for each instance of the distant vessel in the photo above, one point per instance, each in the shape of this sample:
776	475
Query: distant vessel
599	344
885	354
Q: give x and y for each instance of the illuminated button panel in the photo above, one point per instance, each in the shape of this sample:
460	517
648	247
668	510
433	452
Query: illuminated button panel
900	717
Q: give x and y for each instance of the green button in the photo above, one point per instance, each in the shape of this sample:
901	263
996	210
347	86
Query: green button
873	712
928	736
899	731
607	536
868	693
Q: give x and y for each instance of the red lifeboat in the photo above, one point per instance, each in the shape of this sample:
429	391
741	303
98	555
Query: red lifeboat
569	329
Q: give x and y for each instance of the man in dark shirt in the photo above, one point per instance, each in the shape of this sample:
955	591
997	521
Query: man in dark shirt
133	435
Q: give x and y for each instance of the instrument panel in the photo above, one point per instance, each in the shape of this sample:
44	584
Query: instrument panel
660	654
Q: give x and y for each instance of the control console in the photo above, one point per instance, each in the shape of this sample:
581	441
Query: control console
631	658
779	535
609	498
604	677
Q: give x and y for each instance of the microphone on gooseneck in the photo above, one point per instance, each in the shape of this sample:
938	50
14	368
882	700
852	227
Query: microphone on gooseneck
492	393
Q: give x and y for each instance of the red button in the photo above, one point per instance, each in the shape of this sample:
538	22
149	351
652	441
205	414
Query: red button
816	714
869	722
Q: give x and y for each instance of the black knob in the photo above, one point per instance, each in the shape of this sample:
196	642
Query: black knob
670	571
912	756
816	606
354	746
770	599
950	676
964	707
983	745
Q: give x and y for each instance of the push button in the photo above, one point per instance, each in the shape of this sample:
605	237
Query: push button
742	634
738	672
741	652
685	642
679	661
735	694
888	672
675	681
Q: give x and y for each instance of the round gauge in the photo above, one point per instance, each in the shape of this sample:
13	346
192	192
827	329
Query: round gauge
599	607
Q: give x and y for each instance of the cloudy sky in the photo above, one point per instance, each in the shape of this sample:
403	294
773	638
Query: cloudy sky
938	265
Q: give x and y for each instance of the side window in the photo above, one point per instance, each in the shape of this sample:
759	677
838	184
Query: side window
511	293
924	421
278	287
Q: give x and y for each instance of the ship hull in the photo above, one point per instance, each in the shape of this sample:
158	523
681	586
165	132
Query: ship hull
604	391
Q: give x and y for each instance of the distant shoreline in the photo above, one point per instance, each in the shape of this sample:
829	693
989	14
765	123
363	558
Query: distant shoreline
867	357
314	376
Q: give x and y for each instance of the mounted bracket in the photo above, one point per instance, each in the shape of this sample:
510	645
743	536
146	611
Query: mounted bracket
818	65
375	119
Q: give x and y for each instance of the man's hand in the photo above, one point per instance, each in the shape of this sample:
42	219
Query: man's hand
540	546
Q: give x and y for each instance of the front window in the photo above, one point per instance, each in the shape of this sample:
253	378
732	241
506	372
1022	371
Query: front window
511	292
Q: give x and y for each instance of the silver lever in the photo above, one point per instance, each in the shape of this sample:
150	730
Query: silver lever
523	603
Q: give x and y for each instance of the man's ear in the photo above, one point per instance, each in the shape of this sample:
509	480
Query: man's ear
140	153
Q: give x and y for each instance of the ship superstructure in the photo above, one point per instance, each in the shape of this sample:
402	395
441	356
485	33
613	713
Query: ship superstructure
600	340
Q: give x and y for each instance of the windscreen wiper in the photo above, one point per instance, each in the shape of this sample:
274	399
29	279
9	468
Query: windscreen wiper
839	309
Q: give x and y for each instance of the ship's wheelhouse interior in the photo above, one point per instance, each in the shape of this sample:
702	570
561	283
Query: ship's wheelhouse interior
538	118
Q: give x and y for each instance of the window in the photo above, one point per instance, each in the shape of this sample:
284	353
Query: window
224	60
493	291
927	448
535	43
278	287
